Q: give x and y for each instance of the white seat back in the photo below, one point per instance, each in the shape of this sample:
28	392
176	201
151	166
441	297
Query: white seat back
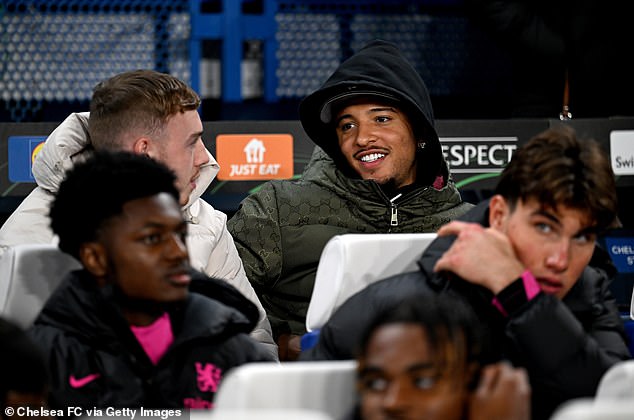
28	276
614	399
593	409
351	262
327	387
617	383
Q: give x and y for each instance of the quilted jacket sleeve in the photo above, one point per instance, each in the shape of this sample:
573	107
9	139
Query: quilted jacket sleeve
213	251
568	352
256	231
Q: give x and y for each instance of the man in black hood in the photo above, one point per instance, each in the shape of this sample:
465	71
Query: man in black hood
383	171
378	73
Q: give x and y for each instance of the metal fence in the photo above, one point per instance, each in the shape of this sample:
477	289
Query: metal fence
55	51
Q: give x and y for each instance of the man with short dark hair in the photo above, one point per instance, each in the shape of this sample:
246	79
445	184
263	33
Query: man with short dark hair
136	326
430	362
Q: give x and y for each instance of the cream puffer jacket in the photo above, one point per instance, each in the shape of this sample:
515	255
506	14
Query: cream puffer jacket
211	247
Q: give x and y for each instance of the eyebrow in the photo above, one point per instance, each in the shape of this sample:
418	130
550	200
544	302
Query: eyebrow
196	135
161	225
368	370
548	215
552	217
372	110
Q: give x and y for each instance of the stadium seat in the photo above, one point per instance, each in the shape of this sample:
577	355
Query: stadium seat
28	276
617	383
326	387
593	409
351	262
614	399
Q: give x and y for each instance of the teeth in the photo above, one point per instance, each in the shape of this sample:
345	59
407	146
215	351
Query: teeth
372	157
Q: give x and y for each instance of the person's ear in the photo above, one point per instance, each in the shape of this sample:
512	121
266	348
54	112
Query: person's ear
472	375
499	211
142	146
93	257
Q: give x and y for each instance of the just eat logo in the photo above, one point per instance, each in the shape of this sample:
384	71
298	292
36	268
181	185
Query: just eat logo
254	156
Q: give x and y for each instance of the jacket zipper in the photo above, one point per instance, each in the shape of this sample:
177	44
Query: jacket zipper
394	210
394	206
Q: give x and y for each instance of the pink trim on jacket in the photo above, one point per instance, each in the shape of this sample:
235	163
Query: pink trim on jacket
155	338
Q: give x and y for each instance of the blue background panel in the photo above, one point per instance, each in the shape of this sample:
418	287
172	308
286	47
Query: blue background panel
621	251
20	157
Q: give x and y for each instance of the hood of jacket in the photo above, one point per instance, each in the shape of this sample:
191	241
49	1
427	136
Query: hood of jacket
70	143
80	308
378	69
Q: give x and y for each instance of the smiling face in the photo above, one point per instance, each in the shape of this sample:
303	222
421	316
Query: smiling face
181	148
142	251
378	142
400	376
555	245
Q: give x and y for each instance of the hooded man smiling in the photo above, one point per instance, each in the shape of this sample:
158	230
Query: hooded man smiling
378	168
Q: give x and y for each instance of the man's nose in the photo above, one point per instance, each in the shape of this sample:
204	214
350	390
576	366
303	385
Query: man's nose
559	256
201	156
396	397
365	135
177	247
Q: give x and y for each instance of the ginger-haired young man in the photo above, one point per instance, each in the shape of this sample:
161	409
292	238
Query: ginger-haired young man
153	114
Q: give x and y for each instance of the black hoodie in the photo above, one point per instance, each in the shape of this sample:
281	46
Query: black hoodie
378	69
95	360
565	345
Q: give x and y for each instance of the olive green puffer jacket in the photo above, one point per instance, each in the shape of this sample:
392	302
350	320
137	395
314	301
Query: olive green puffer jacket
281	230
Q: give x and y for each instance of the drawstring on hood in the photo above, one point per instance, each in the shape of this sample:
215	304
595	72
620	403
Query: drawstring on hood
379	69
